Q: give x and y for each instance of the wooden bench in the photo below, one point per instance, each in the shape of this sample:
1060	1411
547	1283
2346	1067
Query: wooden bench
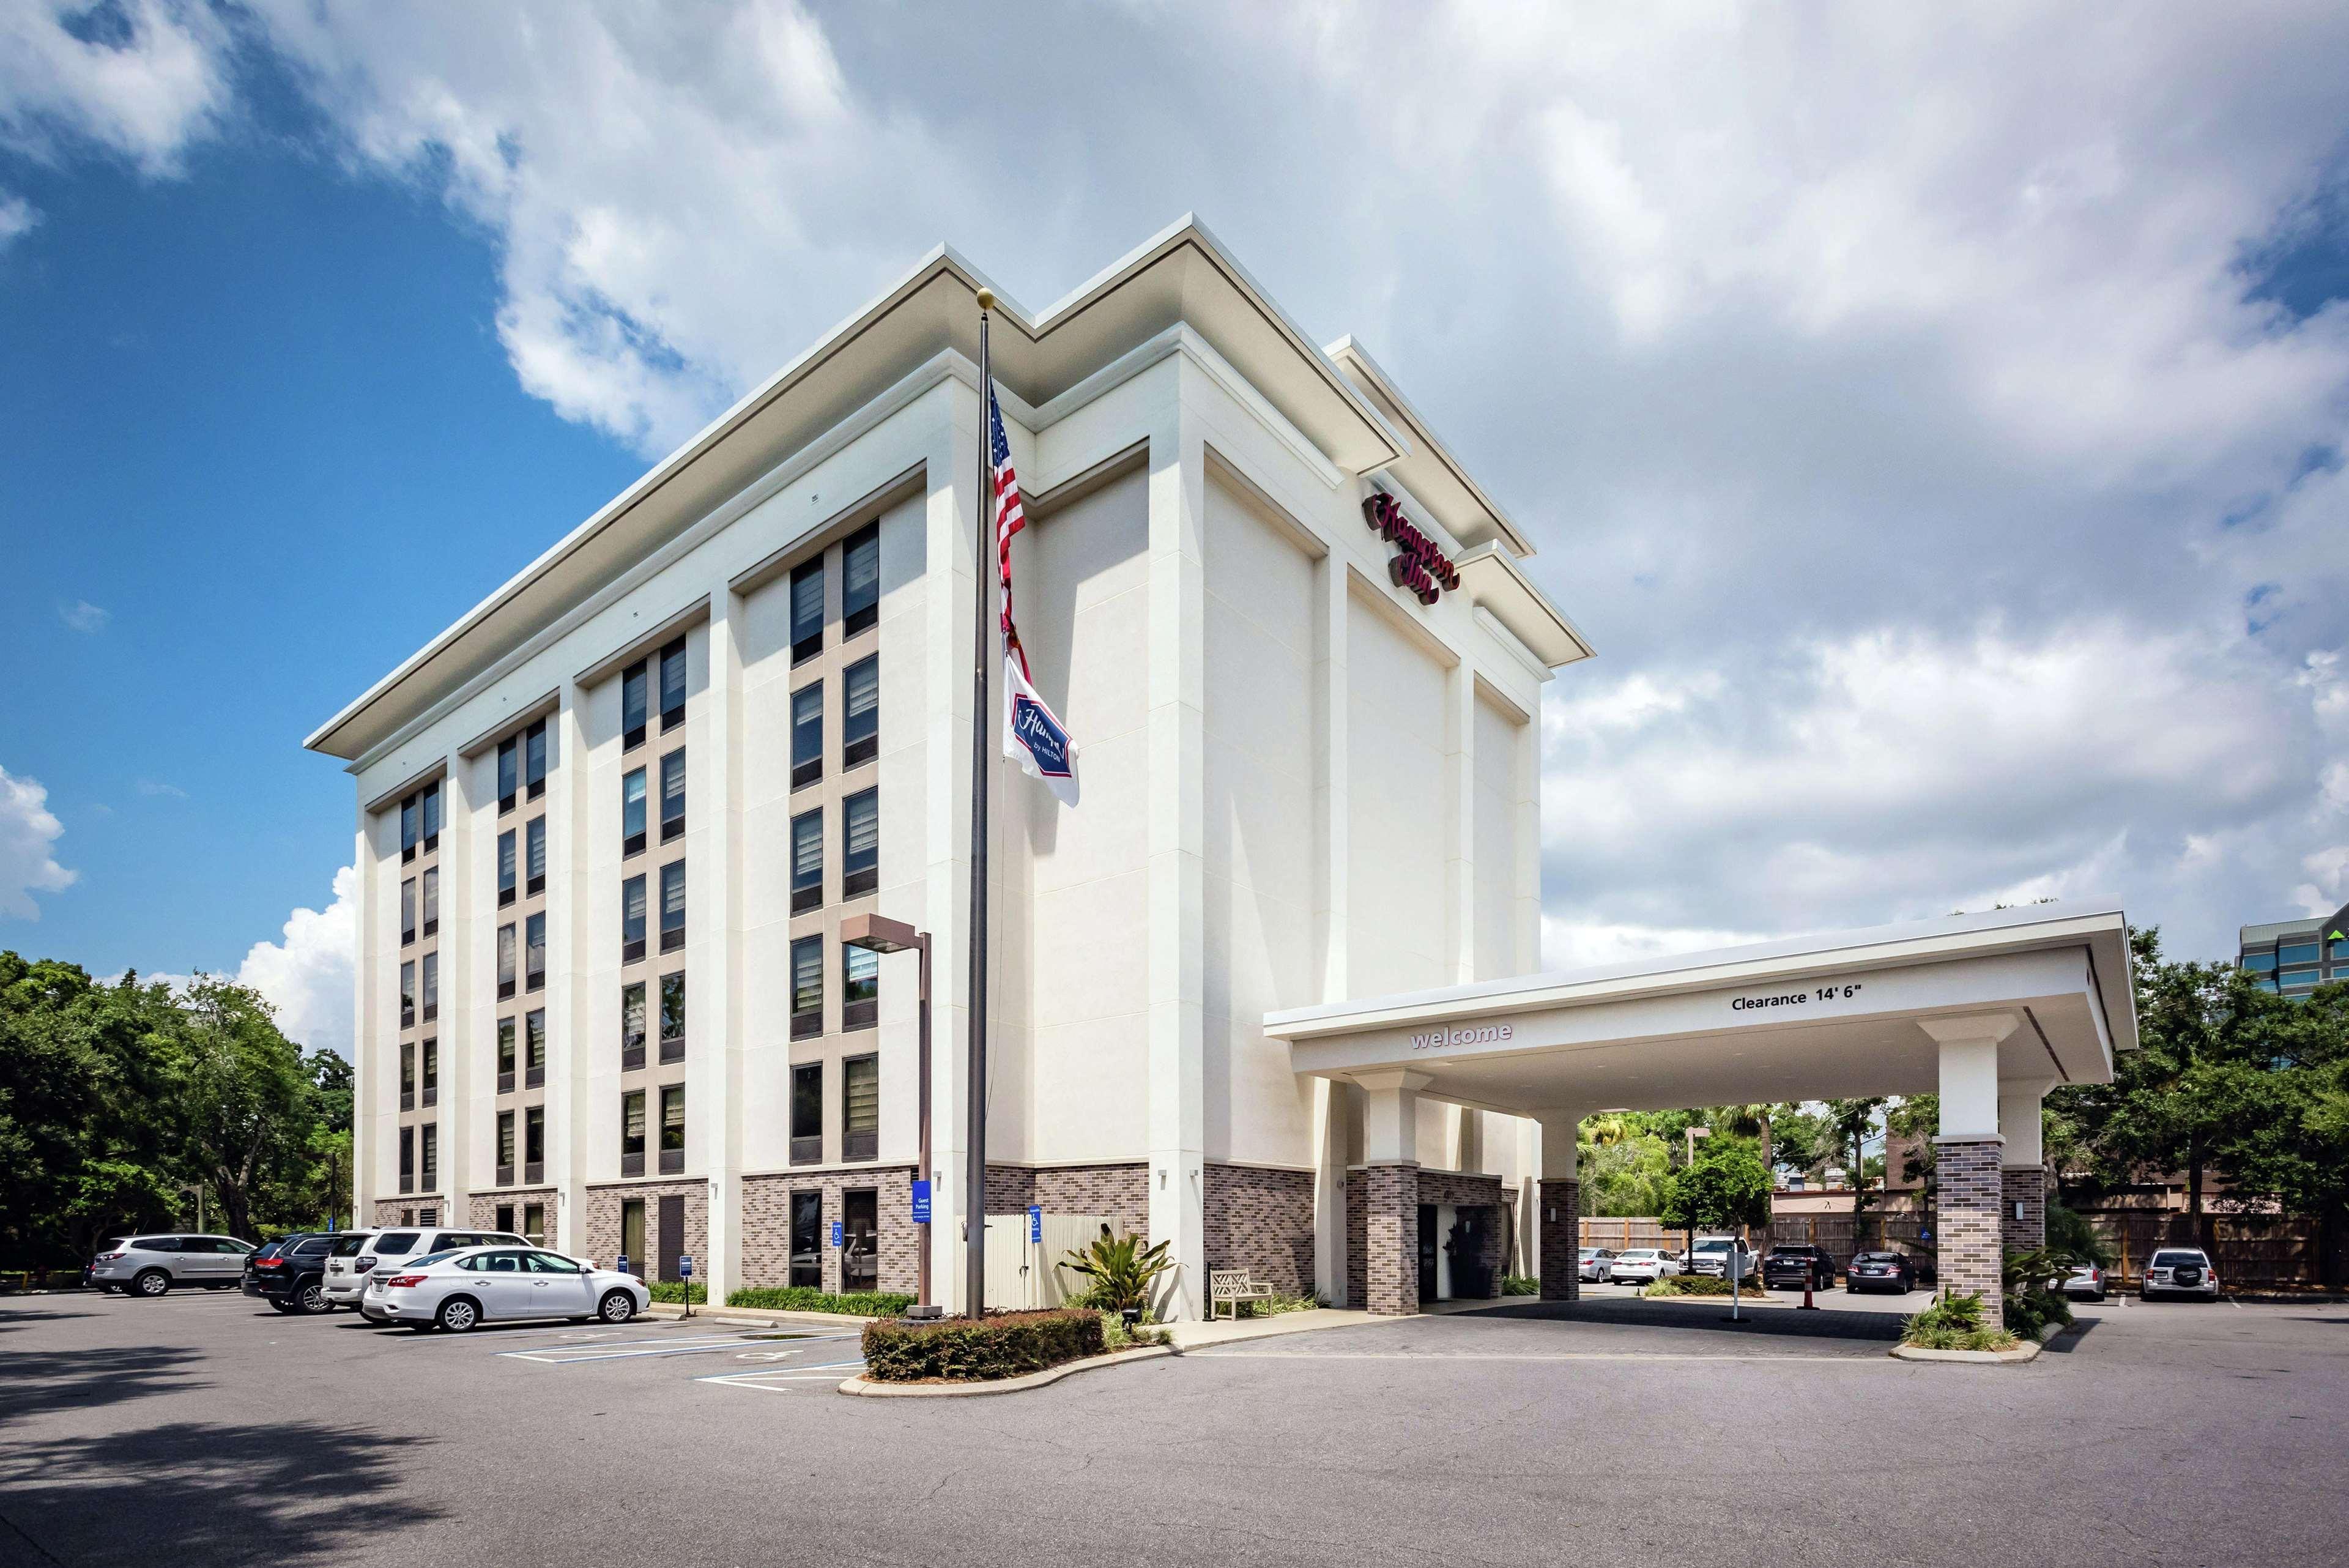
1229	1287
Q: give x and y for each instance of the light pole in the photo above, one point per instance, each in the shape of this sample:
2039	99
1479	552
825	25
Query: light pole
878	934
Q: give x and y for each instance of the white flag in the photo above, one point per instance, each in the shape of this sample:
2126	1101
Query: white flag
1032	733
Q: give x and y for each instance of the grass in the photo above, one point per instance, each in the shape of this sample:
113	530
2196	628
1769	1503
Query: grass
1954	1322
1520	1285
1273	1306
1702	1285
807	1298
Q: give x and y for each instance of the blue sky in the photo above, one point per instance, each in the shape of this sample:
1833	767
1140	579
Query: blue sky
1936	418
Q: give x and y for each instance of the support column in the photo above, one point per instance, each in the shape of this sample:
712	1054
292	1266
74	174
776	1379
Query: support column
1390	1204
1560	1263
1968	1232
2023	1173
714	964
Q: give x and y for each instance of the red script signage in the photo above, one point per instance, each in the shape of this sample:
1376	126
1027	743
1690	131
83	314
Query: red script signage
1417	567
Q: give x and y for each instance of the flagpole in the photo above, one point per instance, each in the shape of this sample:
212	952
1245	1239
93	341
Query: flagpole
975	1178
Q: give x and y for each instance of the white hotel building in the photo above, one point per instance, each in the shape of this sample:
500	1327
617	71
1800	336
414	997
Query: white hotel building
611	820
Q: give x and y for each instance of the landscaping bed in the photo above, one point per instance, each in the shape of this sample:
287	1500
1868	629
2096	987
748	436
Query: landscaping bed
1702	1285
956	1350
806	1298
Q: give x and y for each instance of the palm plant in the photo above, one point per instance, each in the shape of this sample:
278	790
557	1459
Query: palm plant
1121	1269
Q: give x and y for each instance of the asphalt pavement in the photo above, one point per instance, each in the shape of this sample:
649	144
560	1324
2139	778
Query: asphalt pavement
203	1430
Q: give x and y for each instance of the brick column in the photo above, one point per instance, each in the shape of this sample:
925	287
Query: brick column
1969	1233
1390	1239
1561	1240
2025	1188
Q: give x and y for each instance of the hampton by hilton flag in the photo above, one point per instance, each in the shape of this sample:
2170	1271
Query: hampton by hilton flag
1032	733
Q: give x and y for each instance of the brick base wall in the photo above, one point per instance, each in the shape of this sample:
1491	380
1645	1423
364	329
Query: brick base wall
1560	1225
2027	1186
1260	1220
1383	1253
395	1212
481	1211
1970	1231
767	1224
601	1229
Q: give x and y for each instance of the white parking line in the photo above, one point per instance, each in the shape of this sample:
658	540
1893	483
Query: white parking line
570	1356
775	1381
1237	1351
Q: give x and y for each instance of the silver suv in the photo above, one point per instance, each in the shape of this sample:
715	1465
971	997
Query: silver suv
150	1265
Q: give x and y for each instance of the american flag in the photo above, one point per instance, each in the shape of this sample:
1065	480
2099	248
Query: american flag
1011	516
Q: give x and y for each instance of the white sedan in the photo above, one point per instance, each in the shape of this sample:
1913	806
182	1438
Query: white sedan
1643	1265
458	1290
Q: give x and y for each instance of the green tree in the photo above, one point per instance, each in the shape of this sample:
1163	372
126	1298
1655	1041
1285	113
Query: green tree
1843	1132
251	1105
1625	1176
1726	1187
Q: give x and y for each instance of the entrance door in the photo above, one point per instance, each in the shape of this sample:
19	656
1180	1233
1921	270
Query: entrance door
807	1239
672	1235
860	1259
632	1235
1428	1255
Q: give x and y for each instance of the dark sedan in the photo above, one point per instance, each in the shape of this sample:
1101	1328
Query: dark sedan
1893	1271
1798	1268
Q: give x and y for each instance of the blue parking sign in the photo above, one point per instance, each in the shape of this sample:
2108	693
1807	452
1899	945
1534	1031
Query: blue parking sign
685	1266
1035	1222
835	1233
921	1203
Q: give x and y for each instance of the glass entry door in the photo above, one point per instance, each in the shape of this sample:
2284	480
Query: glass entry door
860	1259
632	1235
807	1239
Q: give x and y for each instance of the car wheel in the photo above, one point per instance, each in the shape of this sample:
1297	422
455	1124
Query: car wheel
288	1308
311	1298
617	1306
151	1283
458	1314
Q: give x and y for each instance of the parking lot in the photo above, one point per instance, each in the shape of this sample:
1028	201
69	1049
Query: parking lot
207	1428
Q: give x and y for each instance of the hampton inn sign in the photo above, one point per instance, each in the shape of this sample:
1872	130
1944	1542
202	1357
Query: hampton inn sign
1417	567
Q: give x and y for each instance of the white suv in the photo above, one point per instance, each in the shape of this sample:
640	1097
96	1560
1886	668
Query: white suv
2180	1271
346	1273
1712	1255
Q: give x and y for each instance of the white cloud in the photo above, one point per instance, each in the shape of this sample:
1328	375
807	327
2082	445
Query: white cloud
16	219
158	787
28	836
141	78
84	617
307	976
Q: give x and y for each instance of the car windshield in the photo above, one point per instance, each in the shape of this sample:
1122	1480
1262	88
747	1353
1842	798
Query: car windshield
347	1245
2177	1259
428	1259
1878	1258
1641	1254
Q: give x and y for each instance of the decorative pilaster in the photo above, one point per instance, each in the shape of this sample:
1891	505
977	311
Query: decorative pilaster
1561	1240
2022	1207
1968	1232
1390	1239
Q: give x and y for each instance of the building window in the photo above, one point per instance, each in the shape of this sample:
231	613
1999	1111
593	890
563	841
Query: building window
505	1055
807	987
672	1017
633	706
432	824
672	913
408	912
859	588
672	1130
807	1239
807	611
407	994
507	956
632	1026
807	861
431	1073
2260	963
673	795
860	1107
632	919
509	773
807	1113
533	1143
431	1155
860	861
505	1152
534	859
860	988
506	867
860	1224
408	835
534	953
534	758
2296	953
672	685
632	1133
407	1074
632	813
632	1234
533	1048
431	900
431	986
534	1224
859	732
406	1160
807	735
505	1217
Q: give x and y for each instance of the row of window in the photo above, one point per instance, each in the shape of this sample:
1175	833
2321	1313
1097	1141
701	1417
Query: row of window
860	597
860	1229
633	1002
429	1137
672	1130
534	1051
525	870
419	822
672	912
409	969
860	988
409	902
860	1110
533	1223
522	766
636	683
533	1145
633	803
409	1051
859	728
533	950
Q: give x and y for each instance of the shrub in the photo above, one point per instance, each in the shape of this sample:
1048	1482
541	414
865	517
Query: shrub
676	1291
1954	1322
807	1298
1520	1285
1274	1306
956	1350
2028	1281
1122	1271
1115	1336
1700	1286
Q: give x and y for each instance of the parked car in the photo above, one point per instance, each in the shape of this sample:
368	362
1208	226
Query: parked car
1894	1272
2180	1271
1643	1265
1798	1267
150	1265
2085	1282
1594	1263
342	1282
291	1275
1710	1255
457	1291
346	1275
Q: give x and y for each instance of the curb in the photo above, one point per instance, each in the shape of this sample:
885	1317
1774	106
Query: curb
2027	1351
860	1387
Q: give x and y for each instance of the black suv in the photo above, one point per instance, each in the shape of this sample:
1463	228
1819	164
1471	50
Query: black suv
289	1274
1798	1268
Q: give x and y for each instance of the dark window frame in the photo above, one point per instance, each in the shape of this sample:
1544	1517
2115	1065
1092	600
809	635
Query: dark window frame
859	1142
672	825
807	1113
856	749
807	634
808	768
671	656
636	705
672	937
632	948
858	881
860	611
806	1021
807	896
